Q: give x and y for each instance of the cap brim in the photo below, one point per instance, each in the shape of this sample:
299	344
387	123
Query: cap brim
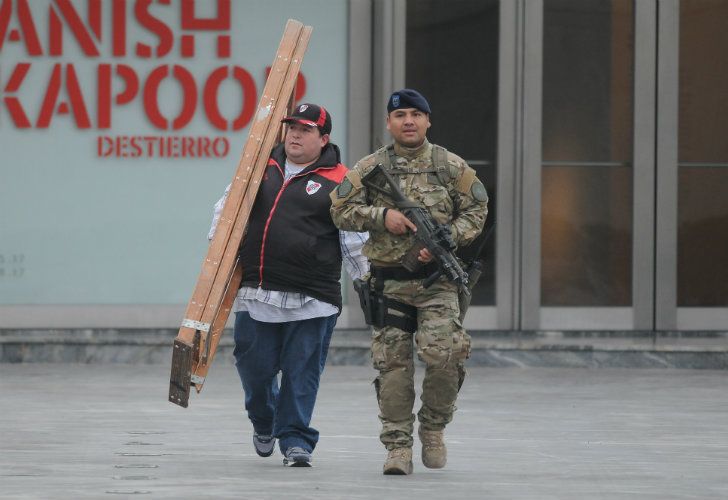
289	119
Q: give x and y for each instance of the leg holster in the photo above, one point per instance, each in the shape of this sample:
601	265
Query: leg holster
380	311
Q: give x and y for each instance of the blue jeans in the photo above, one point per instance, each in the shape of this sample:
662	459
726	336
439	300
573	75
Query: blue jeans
298	350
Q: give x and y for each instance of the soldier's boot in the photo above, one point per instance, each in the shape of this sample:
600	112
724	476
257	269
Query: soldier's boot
434	452
399	462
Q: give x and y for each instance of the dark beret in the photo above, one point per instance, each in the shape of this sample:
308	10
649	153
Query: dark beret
407	98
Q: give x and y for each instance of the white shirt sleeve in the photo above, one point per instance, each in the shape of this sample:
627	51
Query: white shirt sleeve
217	212
355	263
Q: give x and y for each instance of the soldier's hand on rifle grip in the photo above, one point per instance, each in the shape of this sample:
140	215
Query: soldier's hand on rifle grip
411	260
425	256
397	223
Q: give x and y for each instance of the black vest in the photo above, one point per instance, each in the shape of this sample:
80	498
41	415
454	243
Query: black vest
291	243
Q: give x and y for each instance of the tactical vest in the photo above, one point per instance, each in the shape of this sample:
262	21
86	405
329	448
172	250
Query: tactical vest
440	173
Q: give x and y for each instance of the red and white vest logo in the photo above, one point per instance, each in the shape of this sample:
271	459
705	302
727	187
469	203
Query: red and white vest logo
312	187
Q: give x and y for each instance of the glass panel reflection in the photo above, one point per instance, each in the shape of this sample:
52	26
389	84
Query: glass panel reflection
702	247
703	155
586	225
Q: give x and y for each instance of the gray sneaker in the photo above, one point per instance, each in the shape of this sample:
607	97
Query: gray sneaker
297	457
264	444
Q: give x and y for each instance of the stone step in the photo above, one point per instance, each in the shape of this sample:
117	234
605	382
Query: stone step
628	349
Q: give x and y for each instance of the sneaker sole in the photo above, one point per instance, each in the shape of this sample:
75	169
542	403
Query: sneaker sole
296	464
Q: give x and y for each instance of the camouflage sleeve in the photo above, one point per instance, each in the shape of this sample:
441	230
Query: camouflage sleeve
471	205
349	208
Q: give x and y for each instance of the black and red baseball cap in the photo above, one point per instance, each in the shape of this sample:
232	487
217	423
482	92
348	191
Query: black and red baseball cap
312	116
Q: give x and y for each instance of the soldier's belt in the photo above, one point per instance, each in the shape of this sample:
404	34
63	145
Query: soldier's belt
399	273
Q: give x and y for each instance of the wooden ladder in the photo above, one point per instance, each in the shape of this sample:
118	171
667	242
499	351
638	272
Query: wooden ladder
219	280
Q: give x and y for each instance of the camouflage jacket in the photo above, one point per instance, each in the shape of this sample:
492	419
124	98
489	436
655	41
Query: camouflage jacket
461	203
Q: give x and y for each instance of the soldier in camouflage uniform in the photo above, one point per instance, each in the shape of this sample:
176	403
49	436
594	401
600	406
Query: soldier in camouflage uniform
455	197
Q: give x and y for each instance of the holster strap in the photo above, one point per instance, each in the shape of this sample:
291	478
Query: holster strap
408	322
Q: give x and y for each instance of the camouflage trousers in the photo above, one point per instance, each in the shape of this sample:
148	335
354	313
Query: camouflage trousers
442	344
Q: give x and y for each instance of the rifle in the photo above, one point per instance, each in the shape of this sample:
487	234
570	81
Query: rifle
431	235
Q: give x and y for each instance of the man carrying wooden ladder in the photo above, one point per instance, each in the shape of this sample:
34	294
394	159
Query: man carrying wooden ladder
290	297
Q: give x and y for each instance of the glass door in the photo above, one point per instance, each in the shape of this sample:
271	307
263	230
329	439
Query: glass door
585	165
692	169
